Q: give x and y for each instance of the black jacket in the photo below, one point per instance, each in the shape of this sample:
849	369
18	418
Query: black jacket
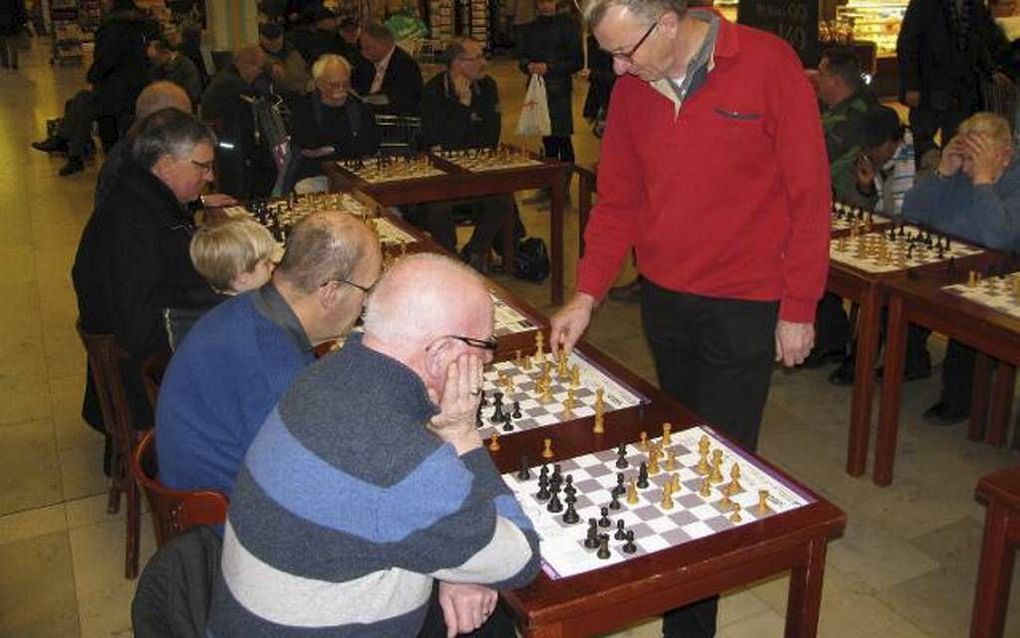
402	83
930	58
447	123
349	129
119	68
556	41
12	16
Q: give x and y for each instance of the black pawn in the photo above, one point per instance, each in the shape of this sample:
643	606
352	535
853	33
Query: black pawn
620	534
508	425
603	552
516	410
642	476
571	516
545	471
621	457
619	489
591	541
497	414
568	485
614	504
629	547
604	521
555	505
524	473
483	399
543	488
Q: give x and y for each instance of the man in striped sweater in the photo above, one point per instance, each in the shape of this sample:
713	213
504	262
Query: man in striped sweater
368	482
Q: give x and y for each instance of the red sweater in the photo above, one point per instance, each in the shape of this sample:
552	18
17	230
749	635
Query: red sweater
731	197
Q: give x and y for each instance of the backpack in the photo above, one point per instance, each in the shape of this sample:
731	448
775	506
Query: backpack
531	263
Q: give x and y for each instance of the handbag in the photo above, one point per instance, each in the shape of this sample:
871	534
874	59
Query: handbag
531	262
534	119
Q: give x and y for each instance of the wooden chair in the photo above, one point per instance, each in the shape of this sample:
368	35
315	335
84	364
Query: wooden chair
105	356
153	369
173	511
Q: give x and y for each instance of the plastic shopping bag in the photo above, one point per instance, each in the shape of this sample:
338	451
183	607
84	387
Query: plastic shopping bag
534	118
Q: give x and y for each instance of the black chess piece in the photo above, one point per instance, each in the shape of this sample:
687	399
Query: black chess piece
619	489
629	547
497	413
568	485
621	457
604	521
555	505
571	516
508	424
483	399
614	503
516	413
620	534
524	473
569	497
591	541
543	488
557	476
642	476
603	552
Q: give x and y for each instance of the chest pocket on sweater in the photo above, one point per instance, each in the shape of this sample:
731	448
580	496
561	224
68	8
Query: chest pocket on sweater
737	126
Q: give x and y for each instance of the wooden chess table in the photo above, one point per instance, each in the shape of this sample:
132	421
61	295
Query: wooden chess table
456	182
922	300
1001	491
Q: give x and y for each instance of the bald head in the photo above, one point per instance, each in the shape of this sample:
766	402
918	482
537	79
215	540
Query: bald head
424	297
324	246
250	62
161	95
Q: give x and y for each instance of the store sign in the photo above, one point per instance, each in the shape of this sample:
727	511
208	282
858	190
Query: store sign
795	22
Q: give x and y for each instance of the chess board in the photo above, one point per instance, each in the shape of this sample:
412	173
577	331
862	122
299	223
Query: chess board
389	233
489	159
536	414
846	217
381	170
509	320
896	249
691	517
999	293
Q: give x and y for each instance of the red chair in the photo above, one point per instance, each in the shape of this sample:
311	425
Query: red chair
173	511
105	356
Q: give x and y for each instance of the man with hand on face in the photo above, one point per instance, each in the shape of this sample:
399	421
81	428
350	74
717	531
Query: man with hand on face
330	124
287	67
731	275
367	504
391	82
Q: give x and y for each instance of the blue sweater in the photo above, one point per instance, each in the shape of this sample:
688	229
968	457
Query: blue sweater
987	215
347	508
221	383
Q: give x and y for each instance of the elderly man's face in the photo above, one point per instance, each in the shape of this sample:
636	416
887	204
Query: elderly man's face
334	85
638	47
251	68
471	63
273	45
187	175
374	50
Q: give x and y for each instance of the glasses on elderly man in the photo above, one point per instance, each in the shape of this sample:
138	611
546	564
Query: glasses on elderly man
364	289
485	344
628	57
207	167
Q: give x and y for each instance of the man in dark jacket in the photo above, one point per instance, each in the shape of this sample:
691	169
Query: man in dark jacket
132	260
168	64
460	110
318	36
392	84
329	124
286	65
944	52
551	48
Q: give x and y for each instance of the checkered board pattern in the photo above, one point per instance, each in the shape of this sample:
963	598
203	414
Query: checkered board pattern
389	233
846	222
479	161
508	319
998	293
534	413
876	252
378	172
692	516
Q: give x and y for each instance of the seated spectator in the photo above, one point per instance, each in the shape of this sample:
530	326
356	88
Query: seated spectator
155	97
317	36
350	46
132	261
842	93
328	124
170	65
392	84
240	357
460	110
234	256
286	66
974	195
383	434
244	163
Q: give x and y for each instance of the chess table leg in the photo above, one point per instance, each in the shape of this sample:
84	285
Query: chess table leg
1002	404
979	397
805	595
557	187
892	390
864	376
994	573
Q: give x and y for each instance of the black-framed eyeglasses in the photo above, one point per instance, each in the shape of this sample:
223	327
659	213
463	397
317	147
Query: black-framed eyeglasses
628	57
207	167
485	344
364	289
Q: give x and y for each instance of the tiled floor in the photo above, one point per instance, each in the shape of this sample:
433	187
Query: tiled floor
904	569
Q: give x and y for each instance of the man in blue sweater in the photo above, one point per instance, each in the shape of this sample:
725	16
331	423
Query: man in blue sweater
238	359
974	195
368	483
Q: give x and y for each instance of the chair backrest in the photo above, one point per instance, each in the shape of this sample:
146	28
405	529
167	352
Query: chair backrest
105	356
173	511
153	369
398	134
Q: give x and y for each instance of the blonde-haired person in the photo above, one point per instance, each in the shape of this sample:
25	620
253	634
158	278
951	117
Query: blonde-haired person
235	255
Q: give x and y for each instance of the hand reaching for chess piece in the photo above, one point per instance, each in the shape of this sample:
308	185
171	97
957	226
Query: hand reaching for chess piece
567	325
455	422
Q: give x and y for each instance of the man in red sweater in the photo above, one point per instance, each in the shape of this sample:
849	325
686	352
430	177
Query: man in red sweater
713	168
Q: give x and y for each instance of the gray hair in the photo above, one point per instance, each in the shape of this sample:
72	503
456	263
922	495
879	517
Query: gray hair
455	48
160	95
323	247
646	11
329	61
168	131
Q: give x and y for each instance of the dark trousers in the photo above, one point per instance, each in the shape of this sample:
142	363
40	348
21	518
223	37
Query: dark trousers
832	328
8	52
559	147
958	376
925	122
715	356
76	126
488	213
499	625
